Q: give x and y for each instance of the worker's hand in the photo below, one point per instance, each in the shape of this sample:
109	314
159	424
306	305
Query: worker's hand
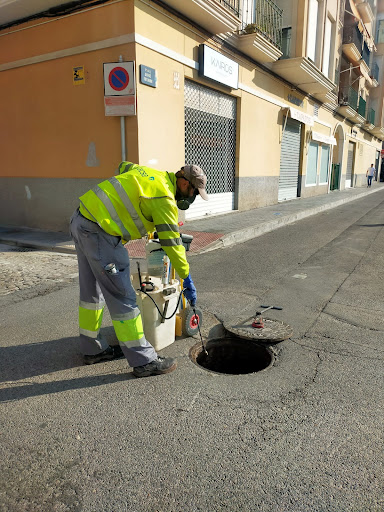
190	290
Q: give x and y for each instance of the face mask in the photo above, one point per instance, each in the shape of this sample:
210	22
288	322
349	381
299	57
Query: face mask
183	203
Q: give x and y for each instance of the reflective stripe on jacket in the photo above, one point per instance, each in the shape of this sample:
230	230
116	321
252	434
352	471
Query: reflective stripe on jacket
137	202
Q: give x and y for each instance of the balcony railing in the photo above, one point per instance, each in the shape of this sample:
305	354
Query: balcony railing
337	76
268	21
353	35
366	54
348	96
341	10
362	106
371	116
232	5
375	71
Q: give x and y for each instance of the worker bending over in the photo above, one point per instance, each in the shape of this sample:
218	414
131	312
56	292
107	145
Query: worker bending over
127	207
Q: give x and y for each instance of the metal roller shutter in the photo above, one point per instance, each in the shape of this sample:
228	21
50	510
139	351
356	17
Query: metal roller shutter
289	161
210	142
348	176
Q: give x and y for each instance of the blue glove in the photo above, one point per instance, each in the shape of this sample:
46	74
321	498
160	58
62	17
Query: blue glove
190	290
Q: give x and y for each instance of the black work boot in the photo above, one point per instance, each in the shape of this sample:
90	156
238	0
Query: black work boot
108	354
157	367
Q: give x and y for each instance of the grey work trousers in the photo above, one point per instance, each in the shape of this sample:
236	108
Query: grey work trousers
95	249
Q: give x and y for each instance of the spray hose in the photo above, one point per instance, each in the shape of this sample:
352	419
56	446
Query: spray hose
157	307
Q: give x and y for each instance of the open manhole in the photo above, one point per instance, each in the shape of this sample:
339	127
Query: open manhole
232	355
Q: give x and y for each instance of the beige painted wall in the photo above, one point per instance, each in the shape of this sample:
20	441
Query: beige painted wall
47	122
160	113
255	158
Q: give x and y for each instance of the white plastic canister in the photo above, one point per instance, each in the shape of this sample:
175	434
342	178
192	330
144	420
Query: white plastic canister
154	254
159	334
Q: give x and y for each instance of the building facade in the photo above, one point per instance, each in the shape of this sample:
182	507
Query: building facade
275	100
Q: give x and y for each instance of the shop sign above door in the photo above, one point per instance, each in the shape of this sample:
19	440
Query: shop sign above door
217	67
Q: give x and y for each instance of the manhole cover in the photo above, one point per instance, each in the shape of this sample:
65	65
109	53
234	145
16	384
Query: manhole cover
232	355
272	332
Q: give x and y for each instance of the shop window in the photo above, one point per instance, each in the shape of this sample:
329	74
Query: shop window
324	163
313	151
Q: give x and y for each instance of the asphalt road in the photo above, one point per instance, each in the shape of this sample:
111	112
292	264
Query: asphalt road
304	435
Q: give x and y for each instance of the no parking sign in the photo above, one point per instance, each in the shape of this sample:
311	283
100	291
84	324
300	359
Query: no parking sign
119	89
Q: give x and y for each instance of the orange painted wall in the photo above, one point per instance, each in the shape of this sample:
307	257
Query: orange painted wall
46	122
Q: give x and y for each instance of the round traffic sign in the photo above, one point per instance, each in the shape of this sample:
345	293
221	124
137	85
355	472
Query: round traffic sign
118	78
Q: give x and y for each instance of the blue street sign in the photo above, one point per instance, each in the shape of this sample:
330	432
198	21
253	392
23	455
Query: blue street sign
148	76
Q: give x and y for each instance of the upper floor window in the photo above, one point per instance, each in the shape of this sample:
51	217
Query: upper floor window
328	47
286	42
312	29
380	31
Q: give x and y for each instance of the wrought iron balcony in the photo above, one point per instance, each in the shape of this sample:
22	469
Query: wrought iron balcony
362	106
268	22
232	5
216	16
352	35
375	71
371	116
337	77
348	105
366	54
348	96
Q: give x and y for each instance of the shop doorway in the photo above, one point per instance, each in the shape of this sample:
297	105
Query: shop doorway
210	142
290	161
350	165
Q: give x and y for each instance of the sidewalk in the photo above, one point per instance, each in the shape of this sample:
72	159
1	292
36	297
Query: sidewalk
209	233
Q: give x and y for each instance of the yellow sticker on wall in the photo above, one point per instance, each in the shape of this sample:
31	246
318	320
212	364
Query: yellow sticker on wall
78	75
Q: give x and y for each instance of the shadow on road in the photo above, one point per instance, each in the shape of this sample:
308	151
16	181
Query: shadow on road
19	363
370	225
24	390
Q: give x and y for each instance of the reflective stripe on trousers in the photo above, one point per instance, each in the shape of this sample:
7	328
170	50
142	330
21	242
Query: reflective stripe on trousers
95	249
90	318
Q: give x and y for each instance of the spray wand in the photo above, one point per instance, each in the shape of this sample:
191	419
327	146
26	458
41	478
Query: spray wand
198	326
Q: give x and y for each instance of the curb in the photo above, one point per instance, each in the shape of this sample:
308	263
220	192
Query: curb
39	245
239	236
243	235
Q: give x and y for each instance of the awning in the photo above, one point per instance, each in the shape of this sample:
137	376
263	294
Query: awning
326	139
363	29
303	117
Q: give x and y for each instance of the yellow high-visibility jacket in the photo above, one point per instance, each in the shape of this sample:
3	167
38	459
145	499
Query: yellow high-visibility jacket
137	202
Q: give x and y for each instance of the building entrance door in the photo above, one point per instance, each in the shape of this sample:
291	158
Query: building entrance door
335	176
290	161
349	175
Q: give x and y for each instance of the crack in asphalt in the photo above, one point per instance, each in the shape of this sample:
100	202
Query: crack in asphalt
345	354
349	322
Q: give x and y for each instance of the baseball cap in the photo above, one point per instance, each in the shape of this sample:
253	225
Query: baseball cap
195	175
